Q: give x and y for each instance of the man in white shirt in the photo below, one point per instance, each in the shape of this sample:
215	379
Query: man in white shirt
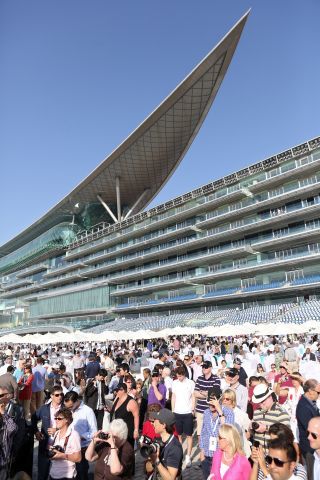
84	422
183	405
314	440
197	367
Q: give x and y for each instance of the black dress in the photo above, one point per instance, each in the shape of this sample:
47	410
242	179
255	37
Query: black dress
126	416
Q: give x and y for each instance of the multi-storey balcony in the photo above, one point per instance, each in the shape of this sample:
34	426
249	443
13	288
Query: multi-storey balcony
280	289
311	254
267	179
274	198
20	292
227	231
16	284
32	270
53	272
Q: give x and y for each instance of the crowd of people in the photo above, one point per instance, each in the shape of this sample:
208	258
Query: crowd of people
244	408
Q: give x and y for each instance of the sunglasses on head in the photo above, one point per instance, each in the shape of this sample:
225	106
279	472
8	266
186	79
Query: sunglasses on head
313	435
277	461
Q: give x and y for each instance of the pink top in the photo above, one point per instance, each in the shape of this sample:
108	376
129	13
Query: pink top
239	469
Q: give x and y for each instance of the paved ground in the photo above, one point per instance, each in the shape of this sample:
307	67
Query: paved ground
191	473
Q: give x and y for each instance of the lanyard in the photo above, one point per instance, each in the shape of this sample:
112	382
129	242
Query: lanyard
214	427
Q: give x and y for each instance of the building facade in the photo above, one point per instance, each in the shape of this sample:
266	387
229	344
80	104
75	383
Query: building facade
250	237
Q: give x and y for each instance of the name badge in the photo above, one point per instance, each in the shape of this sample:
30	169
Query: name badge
213	444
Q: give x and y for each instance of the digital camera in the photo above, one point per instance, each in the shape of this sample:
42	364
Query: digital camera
53	450
148	446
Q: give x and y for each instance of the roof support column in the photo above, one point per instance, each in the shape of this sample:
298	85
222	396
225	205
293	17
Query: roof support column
118	198
136	202
103	203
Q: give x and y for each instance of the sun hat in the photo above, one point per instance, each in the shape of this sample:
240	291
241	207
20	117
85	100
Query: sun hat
260	393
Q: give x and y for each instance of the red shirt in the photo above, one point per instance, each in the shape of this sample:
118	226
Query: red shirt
148	430
26	393
286	383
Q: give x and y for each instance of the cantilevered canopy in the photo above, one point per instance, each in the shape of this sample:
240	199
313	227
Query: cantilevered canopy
129	178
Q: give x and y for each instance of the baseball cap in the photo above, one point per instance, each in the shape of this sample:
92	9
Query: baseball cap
165	416
232	372
206	364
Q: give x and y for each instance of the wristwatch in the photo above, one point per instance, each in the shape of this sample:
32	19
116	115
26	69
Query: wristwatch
157	462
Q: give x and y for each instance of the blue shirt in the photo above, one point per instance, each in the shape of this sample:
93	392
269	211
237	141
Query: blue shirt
85	423
211	426
39	377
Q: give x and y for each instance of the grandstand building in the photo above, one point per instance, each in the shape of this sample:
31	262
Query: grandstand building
250	238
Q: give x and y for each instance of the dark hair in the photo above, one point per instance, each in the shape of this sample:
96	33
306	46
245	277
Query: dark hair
10	369
281	431
124	367
282	444
103	372
66	413
56	388
169	429
28	367
180	371
254	378
73	396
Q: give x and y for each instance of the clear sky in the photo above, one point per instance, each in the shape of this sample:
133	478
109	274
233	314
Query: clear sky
77	76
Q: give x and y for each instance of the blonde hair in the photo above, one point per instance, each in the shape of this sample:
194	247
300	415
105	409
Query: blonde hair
232	394
232	436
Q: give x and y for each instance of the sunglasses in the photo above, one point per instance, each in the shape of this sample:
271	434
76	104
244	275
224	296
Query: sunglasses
59	418
205	366
313	435
227	399
3	394
277	461
58	394
221	438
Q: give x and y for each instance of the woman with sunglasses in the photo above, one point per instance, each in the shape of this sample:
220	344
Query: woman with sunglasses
65	451
229	461
241	418
126	409
260	470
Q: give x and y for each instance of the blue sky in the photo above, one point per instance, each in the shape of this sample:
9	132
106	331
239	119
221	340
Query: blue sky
78	76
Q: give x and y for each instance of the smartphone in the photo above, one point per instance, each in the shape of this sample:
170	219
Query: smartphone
256	444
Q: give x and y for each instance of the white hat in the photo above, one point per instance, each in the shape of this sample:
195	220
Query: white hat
155	354
260	393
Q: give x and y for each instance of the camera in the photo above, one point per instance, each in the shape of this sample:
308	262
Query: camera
255	425
53	450
103	436
148	446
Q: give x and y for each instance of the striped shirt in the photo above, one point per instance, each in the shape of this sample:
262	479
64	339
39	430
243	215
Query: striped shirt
269	417
203	384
